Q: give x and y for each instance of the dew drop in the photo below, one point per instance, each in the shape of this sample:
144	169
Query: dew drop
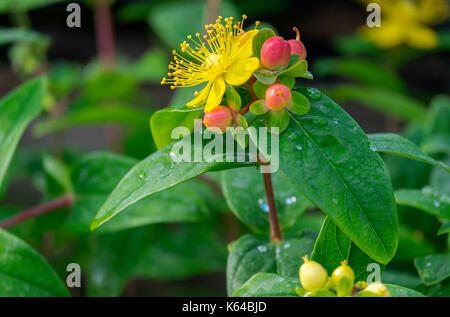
287	245
372	147
299	147
141	176
262	248
436	204
427	190
313	93
263	205
290	200
428	264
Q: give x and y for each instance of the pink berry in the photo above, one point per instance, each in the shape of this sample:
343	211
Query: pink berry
278	97
297	46
275	53
220	117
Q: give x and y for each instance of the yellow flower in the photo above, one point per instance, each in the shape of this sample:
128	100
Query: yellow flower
223	56
407	22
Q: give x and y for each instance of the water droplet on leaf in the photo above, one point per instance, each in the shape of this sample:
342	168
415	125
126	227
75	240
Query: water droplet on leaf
263	205
290	200
262	248
313	93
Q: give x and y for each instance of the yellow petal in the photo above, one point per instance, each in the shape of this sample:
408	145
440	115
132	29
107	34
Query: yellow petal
201	97
422	37
216	94
241	70
244	48
389	35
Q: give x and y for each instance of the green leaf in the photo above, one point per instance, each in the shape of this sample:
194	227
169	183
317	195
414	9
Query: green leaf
437	120
297	70
189	250
355	44
433	268
151	67
158	172
401	291
152	252
259	40
277	119
233	98
258	107
426	199
24	272
186	18
164	121
440	179
113	259
58	171
444	229
398	145
250	255
300	104
327	157
260	89
365	71
243	189
12	35
436	144
384	101
95	177
268	285
64	77
24	5
333	246
265	77
288	81
17	110
119	114
412	244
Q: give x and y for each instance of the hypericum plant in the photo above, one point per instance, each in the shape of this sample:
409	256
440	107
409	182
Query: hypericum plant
226	58
327	164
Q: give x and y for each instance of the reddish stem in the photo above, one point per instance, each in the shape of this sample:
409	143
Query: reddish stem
104	32
275	230
64	201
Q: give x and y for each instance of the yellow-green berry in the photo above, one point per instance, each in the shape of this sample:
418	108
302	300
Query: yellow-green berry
312	275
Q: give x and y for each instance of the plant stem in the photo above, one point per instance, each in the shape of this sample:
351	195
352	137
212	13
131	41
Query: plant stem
212	11
104	33
64	201
275	230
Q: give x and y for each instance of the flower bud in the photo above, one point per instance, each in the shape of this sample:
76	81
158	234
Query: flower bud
278	97
343	271
378	288
219	118
312	275
275	53
297	46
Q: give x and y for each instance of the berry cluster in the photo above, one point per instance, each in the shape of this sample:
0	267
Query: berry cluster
316	283
281	61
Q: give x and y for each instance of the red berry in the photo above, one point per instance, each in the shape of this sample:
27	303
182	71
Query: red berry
278	97
297	46
220	118
275	53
